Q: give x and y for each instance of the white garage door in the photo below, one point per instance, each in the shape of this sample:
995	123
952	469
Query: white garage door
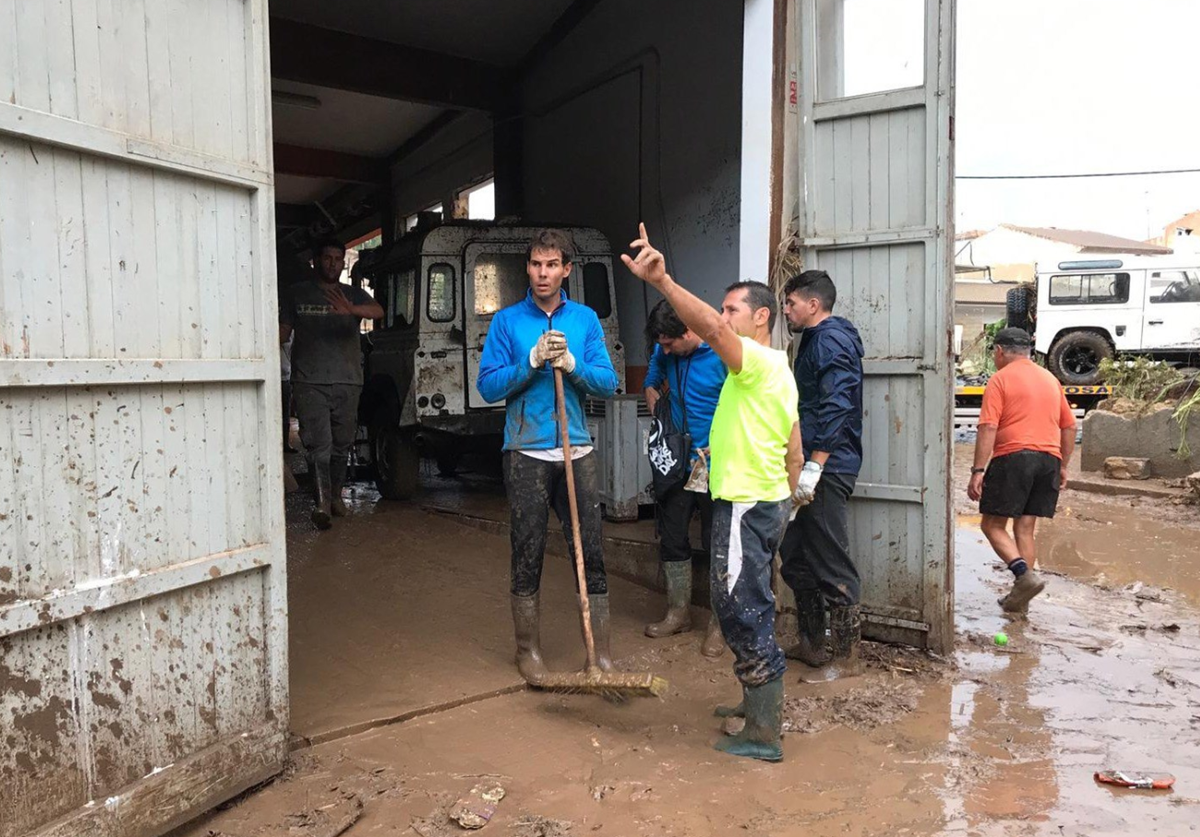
875	211
143	672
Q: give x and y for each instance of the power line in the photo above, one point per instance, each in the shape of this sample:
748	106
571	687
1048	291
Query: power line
1066	176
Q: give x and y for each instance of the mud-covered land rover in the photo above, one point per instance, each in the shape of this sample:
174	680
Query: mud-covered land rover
439	288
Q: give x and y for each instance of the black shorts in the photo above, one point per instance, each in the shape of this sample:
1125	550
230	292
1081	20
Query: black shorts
1021	483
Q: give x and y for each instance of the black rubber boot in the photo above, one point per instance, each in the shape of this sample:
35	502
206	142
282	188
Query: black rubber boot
812	650
321	512
526	612
601	629
762	737
679	599
845	630
337	479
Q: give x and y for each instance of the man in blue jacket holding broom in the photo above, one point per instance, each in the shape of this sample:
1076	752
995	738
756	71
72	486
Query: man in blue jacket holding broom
525	343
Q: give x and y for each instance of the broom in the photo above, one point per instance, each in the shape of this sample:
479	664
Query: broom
591	680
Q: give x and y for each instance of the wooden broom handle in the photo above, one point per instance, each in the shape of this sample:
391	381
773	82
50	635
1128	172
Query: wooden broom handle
585	611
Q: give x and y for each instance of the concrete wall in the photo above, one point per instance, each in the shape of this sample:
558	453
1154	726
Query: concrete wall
1154	436
637	115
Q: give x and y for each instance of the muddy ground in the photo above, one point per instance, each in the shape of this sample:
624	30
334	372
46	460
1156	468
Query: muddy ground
993	741
1112	541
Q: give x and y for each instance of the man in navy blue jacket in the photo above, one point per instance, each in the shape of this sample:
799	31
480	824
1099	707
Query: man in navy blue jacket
525	343
816	548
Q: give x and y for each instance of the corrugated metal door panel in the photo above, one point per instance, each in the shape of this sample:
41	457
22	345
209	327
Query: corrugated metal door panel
143	669
876	175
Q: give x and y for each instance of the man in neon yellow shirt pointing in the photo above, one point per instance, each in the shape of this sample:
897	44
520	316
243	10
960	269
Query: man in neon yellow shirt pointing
755	464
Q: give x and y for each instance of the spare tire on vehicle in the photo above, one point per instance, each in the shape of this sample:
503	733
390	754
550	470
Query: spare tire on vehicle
1017	306
1075	357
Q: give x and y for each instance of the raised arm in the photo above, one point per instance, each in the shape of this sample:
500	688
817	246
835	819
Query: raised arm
650	266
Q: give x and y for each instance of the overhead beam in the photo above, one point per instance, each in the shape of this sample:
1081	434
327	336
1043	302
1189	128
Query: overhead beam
335	165
311	54
424	135
566	22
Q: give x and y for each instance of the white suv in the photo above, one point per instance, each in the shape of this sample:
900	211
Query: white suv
1085	311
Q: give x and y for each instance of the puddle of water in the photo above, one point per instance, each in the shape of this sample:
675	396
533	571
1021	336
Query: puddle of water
1116	546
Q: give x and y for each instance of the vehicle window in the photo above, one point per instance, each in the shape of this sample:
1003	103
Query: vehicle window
595	289
1089	289
500	280
402	295
439	293
1174	286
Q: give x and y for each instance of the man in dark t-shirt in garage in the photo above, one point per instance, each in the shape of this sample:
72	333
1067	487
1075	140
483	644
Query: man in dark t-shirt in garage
327	373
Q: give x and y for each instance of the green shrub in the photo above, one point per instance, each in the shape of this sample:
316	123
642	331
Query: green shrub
1139	379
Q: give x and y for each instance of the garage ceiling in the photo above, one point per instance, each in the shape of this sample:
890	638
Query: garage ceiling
352	122
494	31
358	79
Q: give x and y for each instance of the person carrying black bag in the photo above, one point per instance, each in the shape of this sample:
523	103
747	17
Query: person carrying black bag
682	386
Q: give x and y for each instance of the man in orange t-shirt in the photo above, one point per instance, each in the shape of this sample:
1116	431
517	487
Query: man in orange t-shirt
1025	439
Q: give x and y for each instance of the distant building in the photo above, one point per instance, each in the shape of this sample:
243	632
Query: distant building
1009	252
1188	225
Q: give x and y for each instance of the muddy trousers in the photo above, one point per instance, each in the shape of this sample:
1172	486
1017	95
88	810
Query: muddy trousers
816	547
533	486
744	539
328	416
675	512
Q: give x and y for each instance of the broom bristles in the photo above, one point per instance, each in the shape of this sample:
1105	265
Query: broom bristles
607	684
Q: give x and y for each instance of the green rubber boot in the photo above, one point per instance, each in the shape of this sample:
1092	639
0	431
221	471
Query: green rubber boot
762	737
601	630
679	599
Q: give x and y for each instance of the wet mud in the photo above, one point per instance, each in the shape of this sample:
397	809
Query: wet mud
1111	541
993	741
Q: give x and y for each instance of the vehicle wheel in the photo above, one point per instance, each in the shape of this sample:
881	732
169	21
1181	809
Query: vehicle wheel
1017	306
397	460
1075	357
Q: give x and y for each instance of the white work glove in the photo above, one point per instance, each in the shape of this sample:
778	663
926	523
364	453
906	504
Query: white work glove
549	346
806	488
565	362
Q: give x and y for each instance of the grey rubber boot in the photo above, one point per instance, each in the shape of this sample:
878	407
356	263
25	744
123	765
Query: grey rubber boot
762	737
601	629
337	479
679	600
714	640
321	511
1023	591
726	711
526	612
812	649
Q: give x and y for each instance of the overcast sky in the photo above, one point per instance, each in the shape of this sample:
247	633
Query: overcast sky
1065	86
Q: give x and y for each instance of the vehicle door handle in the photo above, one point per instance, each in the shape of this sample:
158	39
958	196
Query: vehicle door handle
1154	322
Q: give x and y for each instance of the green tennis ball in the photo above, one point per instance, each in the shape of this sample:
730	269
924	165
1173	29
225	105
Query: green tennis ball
1001	638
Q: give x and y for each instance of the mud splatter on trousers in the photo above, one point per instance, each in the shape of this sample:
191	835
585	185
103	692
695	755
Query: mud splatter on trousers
533	487
744	539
